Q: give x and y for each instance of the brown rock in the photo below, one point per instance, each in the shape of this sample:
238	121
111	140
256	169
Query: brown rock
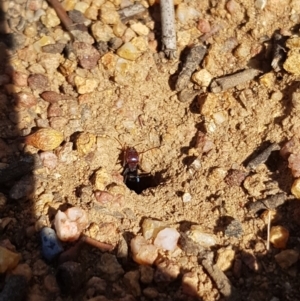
19	79
88	56
131	279
54	110
38	82
147	274
190	283
24	100
51	96
166	271
287	258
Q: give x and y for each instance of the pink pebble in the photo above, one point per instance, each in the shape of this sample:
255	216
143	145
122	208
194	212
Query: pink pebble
167	239
294	165
203	26
48	159
69	224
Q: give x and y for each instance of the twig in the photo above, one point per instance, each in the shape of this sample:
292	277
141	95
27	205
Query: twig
262	157
131	11
97	244
168	28
230	81
268	234
221	280
192	62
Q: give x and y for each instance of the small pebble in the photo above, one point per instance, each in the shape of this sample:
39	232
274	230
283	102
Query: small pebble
225	258
51	246
8	259
234	229
167	239
140	29
38	82
142	251
87	55
279	237
150	227
186	197
15	288
69	277
287	258
296	188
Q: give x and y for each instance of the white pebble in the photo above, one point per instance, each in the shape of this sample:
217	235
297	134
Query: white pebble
167	239
186	197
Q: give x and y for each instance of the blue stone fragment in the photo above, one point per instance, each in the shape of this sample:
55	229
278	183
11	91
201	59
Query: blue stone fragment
51	246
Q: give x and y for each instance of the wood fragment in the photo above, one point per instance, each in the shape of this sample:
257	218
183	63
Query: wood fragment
167	13
269	203
269	226
131	11
222	282
192	62
263	156
97	244
230	81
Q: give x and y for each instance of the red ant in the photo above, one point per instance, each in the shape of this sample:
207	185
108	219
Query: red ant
130	163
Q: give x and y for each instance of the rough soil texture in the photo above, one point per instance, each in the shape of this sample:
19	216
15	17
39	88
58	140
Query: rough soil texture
134	103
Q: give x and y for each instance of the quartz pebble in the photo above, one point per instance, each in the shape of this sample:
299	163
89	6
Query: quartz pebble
142	251
286	258
140	29
102	32
279	237
69	224
151	227
167	239
85	85
128	51
51	246
202	78
203	239
8	260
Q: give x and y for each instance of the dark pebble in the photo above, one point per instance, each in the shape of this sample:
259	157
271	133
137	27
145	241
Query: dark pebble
77	16
54	48
15	289
69	277
51	246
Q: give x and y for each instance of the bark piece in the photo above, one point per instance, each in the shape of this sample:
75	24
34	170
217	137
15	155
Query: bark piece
263	156
230	81
221	280
168	28
193	60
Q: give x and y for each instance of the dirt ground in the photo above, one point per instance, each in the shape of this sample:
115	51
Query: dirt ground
133	103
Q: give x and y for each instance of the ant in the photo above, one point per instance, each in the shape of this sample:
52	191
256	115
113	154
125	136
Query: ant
130	163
